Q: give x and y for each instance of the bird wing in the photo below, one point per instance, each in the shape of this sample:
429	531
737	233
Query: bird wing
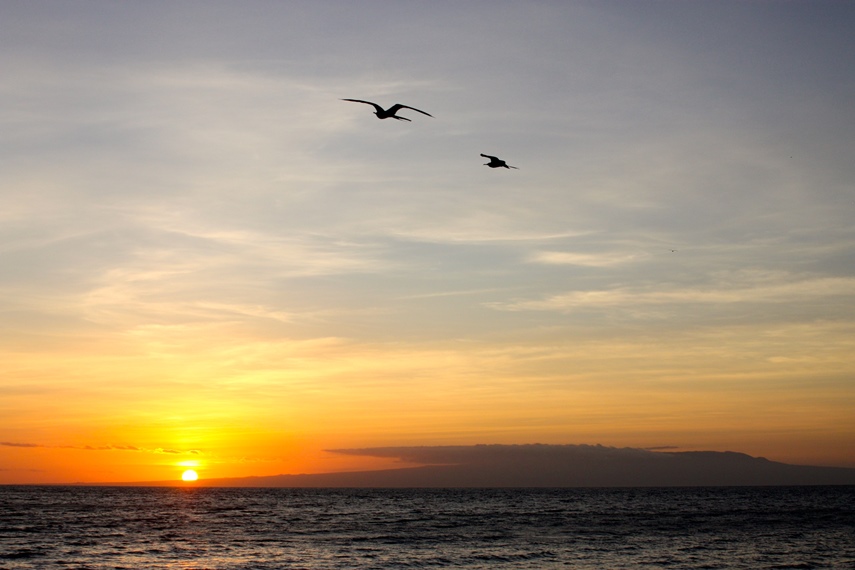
375	105
490	157
397	106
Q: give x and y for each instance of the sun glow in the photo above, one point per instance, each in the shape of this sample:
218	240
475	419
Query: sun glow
189	475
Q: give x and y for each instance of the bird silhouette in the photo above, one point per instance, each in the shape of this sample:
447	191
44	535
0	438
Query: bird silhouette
390	112
496	162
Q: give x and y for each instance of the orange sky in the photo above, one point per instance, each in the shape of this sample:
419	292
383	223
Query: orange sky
263	408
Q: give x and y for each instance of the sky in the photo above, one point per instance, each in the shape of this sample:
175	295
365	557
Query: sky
210	261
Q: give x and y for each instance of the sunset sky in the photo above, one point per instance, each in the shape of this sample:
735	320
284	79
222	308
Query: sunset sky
210	261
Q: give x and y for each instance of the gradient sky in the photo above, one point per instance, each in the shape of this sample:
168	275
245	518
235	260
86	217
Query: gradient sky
209	260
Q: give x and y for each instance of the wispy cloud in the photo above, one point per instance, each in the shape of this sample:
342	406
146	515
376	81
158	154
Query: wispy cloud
489	454
452	293
759	288
605	259
158	450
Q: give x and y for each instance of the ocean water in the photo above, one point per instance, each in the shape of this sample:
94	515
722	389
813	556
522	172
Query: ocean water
259	529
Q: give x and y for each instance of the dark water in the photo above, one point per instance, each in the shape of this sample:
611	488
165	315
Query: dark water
187	528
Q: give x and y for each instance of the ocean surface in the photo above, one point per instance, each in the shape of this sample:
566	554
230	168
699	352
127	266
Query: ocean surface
259	529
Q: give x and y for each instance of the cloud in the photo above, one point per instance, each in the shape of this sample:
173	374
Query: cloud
134	448
452	293
488	454
102	447
584	259
744	287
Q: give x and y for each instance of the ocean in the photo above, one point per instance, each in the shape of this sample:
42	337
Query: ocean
259	529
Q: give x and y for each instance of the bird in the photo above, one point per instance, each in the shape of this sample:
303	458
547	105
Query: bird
496	162
390	112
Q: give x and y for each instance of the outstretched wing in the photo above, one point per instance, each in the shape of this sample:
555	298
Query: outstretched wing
397	106
490	157
375	105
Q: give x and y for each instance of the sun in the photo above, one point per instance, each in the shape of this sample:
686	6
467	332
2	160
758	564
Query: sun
189	475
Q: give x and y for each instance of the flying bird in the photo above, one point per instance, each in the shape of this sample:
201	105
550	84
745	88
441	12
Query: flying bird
390	112
496	162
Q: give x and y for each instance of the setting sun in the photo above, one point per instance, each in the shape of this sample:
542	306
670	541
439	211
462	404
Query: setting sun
189	475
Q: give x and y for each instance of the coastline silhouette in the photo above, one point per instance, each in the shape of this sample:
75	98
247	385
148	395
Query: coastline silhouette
549	465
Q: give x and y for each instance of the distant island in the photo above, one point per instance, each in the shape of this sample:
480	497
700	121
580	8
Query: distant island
541	465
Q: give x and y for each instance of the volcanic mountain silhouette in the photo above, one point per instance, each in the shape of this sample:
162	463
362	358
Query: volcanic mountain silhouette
538	465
